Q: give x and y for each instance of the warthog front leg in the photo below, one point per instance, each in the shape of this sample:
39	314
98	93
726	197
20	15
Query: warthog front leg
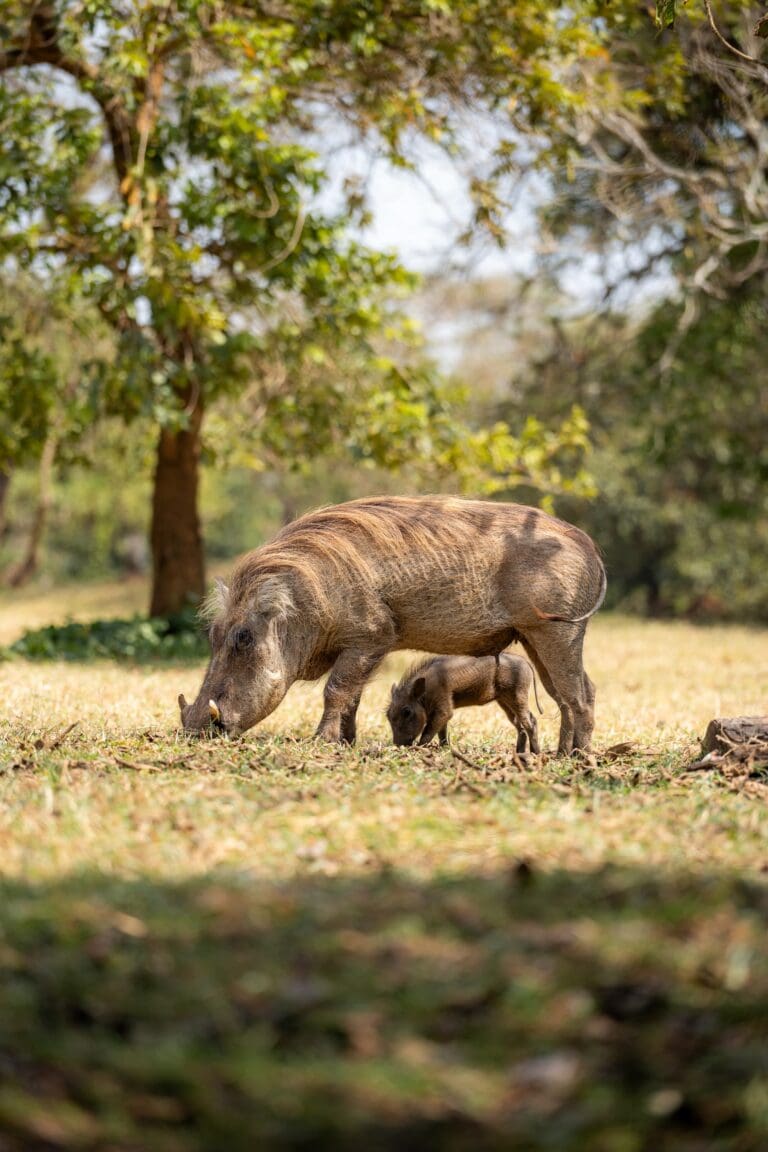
343	691
349	721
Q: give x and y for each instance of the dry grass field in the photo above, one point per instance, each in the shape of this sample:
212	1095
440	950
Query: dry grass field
272	943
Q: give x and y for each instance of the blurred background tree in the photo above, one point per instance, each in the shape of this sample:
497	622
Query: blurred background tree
44	404
160	164
678	458
667	187
172	177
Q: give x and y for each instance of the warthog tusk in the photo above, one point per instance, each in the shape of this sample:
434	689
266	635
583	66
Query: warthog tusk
182	703
213	708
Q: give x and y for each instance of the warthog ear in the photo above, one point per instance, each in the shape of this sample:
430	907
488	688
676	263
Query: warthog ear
273	598
419	689
215	603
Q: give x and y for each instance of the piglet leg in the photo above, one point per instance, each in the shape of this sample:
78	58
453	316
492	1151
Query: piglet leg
438	722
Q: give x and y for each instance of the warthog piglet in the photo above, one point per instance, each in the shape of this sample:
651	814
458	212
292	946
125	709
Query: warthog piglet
425	699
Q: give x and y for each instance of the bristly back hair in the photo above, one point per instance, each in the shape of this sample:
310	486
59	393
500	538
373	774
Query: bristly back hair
349	539
347	543
411	674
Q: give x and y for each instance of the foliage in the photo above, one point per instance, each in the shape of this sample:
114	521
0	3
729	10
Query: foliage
667	152
138	639
667	550
167	168
683	491
427	430
27	393
715	435
42	349
696	466
667	10
46	406
678	425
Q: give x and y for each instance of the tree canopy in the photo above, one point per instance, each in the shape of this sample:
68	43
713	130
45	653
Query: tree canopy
172	173
163	162
667	152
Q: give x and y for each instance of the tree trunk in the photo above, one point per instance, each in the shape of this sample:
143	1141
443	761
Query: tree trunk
178	566
30	562
288	508
5	483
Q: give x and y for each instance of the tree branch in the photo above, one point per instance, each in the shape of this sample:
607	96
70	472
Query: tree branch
731	47
42	46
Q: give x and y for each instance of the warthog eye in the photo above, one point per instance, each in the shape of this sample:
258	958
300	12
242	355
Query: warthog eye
406	713
242	639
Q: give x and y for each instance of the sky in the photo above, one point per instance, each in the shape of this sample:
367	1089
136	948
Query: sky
420	214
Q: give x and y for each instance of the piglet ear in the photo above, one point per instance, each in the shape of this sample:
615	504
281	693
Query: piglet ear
419	689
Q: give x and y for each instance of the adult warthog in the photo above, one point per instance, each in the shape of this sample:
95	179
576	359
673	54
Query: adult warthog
341	587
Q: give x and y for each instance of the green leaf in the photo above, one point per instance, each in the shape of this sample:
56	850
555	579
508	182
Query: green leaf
666	11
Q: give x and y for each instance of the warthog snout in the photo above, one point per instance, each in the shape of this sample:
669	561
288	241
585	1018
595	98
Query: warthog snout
212	721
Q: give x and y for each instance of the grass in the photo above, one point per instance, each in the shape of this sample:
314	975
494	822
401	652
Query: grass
273	943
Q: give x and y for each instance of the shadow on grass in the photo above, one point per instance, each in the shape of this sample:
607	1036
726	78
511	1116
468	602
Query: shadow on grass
611	1012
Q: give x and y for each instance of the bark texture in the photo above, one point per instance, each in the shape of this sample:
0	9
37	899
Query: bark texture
724	734
178	565
30	561
5	483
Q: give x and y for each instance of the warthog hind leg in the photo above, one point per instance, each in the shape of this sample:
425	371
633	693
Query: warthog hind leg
525	722
556	652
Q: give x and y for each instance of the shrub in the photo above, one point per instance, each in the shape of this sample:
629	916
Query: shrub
138	639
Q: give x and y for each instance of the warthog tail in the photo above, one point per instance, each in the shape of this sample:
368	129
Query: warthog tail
586	616
536	692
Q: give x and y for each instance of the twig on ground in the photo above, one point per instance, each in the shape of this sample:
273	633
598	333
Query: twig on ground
62	736
136	767
459	780
460	756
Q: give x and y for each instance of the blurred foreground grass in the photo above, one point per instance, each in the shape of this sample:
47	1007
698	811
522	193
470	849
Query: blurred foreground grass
611	1010
270	943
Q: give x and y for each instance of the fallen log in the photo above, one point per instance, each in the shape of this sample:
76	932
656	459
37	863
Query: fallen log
725	735
736	745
